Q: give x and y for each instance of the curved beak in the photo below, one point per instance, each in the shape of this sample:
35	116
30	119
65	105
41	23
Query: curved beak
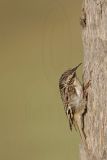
75	68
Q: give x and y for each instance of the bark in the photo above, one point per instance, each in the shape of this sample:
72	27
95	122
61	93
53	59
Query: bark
94	35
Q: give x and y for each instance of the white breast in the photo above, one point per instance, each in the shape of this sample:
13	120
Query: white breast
78	88
77	98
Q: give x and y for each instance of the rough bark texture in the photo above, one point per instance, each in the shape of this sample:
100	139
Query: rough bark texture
94	34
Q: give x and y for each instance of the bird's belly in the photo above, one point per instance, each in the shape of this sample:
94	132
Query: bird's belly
75	101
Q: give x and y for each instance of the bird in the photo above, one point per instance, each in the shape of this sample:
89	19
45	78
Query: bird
72	95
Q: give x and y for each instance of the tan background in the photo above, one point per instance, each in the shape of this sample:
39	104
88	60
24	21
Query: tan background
38	41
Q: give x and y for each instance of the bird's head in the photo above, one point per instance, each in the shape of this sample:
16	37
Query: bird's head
68	77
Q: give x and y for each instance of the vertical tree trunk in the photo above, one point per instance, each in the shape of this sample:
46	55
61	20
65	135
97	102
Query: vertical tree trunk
94	34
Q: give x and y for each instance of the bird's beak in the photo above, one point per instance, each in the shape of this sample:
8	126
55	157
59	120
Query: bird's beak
75	68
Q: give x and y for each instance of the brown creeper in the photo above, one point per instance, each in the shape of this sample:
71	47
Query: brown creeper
72	95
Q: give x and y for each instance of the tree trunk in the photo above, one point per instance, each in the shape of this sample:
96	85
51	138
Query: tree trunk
94	34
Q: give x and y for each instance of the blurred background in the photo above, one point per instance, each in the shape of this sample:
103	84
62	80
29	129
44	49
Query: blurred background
38	41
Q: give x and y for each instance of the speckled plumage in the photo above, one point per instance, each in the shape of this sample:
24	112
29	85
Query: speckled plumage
71	92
